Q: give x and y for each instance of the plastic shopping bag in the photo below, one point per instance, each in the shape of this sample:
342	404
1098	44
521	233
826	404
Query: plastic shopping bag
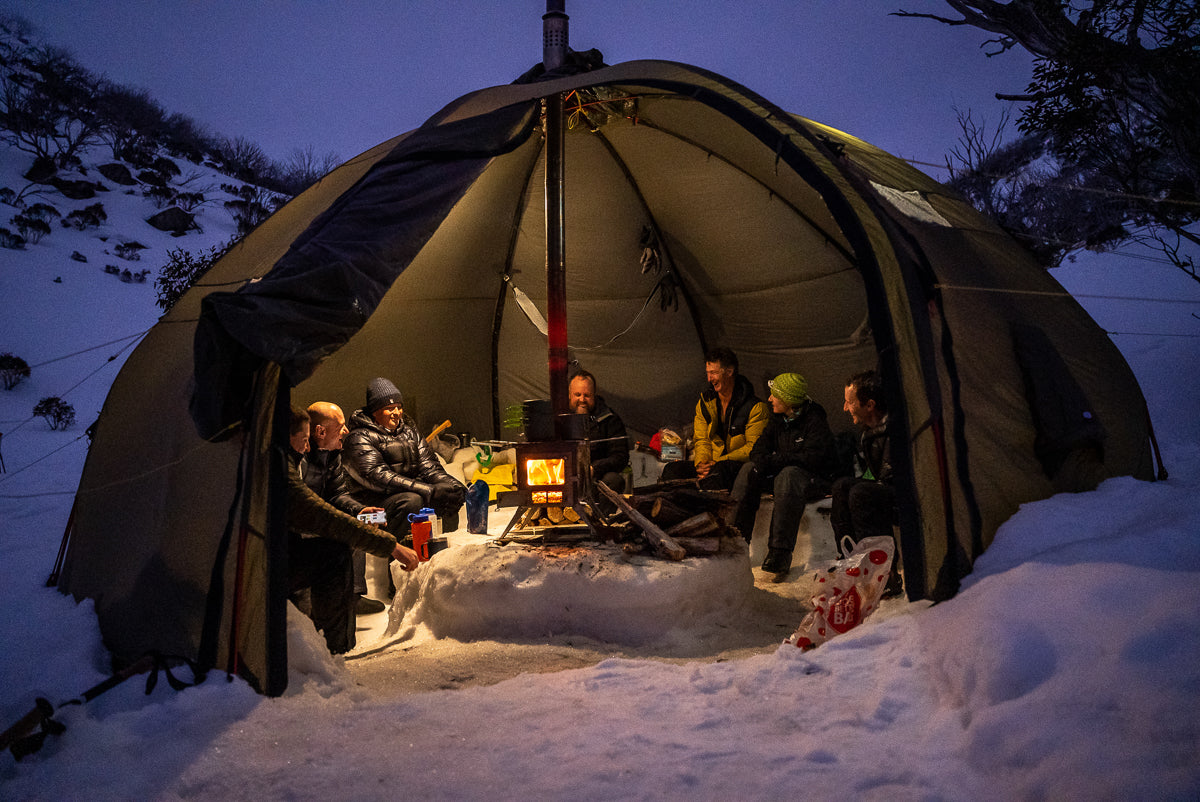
847	592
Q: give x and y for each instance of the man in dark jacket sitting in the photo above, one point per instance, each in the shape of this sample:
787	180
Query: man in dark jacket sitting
320	539
323	472
796	458
389	464
865	506
609	446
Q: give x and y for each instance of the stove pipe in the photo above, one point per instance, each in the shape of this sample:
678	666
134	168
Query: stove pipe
554	54
554	35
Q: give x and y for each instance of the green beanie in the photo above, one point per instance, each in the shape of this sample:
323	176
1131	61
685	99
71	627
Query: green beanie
790	388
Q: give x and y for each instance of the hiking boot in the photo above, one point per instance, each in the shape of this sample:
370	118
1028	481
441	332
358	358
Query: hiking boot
777	562
368	606
894	587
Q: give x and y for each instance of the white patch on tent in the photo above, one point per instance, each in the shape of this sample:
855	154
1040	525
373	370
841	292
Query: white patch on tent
595	590
530	309
911	204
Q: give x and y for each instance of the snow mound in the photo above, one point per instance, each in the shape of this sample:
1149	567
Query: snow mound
478	591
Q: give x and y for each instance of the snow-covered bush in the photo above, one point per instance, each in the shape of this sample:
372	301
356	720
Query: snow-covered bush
10	240
12	370
58	413
42	211
87	217
30	228
180	272
162	196
129	251
188	201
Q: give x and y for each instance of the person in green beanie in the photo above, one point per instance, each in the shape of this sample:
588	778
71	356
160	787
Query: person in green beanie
796	458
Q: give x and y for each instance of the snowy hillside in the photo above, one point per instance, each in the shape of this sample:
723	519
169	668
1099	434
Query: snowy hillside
1067	667
66	315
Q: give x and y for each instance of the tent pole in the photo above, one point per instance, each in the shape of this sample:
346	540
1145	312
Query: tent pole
554	50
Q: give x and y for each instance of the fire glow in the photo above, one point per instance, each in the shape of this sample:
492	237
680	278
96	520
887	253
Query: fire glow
545	472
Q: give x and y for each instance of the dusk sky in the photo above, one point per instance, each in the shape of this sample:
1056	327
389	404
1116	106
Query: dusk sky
342	77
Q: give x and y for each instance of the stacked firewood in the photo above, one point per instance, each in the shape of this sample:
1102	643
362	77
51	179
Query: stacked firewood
547	516
674	519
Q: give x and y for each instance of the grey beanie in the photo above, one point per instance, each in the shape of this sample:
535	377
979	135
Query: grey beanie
381	393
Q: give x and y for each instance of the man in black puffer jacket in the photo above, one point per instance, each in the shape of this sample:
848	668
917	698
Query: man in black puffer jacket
389	464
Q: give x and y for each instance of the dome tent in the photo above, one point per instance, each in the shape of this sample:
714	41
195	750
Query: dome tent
697	214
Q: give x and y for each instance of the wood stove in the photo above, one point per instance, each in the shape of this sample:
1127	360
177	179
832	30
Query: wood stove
553	485
553	472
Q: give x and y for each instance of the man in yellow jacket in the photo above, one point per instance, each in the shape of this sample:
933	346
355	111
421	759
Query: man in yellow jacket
729	420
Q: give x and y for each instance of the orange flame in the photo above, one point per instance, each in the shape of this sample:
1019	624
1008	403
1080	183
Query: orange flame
542	472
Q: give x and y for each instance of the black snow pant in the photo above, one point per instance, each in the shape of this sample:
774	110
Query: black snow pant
863	508
323	567
793	487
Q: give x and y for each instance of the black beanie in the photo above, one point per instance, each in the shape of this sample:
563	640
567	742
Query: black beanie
381	393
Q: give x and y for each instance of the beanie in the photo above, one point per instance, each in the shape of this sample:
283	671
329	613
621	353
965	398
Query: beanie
790	388
381	393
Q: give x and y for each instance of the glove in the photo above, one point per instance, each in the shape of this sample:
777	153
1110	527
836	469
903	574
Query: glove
425	491
448	496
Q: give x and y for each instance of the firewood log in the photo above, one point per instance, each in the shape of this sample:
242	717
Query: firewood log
700	545
667	513
662	542
703	525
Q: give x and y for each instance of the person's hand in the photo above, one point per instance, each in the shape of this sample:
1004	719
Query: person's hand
447	495
406	557
371	509
703	469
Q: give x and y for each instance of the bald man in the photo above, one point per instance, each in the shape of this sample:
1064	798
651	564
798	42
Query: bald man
325	475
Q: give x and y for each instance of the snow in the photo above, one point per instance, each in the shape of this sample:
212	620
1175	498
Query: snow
475	590
1068	666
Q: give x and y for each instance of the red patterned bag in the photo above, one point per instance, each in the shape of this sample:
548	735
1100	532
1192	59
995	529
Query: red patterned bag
847	592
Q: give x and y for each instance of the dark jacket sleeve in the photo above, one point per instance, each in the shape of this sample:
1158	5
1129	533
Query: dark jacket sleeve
327	478
308	513
806	442
762	454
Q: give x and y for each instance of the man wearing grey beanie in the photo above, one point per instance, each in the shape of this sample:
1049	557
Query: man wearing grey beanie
389	464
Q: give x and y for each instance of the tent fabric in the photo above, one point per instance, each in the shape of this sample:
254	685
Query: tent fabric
697	214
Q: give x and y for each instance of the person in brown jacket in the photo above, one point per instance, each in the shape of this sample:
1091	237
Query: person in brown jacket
320	540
